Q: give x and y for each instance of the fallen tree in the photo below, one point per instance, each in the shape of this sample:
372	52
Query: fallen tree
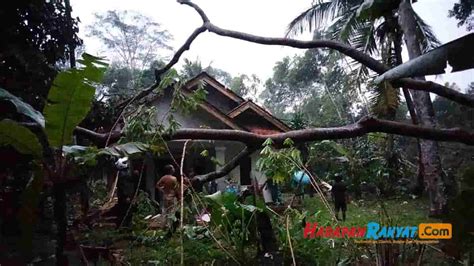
364	126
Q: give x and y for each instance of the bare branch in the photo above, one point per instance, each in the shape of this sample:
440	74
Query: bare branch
139	96
454	95
98	138
197	8
360	128
343	48
226	168
180	51
357	55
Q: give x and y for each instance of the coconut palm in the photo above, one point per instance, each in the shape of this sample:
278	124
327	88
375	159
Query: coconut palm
374	27
370	26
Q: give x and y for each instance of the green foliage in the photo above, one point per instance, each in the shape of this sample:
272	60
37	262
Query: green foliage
36	41
325	251
462	11
134	38
298	121
196	252
373	9
82	156
234	220
456	157
279	164
129	149
20	138
461	210
144	207
22	107
193	68
121	83
325	95
365	164
293	79
245	85
187	103
139	125
70	98
385	100
317	251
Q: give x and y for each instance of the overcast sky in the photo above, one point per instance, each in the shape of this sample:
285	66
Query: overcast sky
261	17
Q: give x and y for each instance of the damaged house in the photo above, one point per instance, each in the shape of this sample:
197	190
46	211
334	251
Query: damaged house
222	109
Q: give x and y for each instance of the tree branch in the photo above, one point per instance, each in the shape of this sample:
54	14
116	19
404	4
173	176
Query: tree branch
355	54
139	96
454	95
180	51
227	168
197	8
360	128
98	138
359	56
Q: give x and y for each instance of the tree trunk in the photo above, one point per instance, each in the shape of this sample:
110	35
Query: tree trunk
71	45
419	186
60	209
424	108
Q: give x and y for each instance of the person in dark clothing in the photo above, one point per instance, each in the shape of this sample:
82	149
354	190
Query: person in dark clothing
339	196
212	187
125	189
275	191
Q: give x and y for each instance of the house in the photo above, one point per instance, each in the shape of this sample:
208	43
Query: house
222	109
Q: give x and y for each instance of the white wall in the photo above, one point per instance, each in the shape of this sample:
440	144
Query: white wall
199	119
194	119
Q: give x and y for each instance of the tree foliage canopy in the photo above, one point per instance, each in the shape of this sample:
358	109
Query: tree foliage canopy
35	37
134	39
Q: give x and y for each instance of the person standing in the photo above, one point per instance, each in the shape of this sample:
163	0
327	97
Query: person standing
125	190
169	187
339	196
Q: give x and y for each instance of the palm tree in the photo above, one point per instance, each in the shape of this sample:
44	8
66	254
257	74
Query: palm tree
373	27
369	27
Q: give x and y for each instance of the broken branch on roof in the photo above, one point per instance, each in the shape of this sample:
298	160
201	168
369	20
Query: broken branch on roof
362	127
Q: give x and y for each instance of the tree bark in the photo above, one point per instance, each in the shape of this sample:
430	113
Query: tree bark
71	45
419	185
60	216
424	108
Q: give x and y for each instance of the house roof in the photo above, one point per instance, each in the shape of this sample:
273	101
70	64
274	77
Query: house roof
209	108
239	113
203	76
249	105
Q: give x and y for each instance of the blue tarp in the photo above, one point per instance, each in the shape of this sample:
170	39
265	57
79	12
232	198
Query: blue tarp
300	175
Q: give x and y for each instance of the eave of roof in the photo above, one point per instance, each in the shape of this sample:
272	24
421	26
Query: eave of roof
227	119
215	84
259	110
215	112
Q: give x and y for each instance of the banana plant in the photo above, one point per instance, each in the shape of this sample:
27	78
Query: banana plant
69	101
53	157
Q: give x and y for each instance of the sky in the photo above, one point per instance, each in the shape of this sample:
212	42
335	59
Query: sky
260	17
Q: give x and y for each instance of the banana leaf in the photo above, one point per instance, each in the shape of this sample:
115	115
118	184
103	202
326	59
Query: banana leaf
22	107
20	138
70	98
